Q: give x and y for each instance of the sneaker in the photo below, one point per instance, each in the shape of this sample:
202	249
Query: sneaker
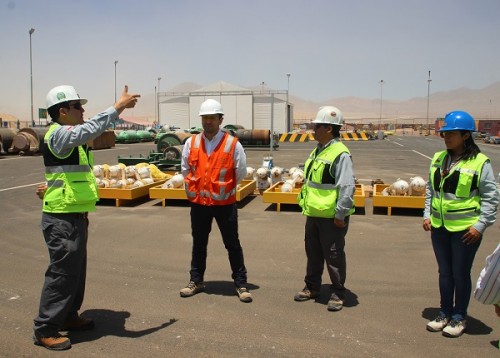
192	289
438	323
55	343
305	295
455	328
78	324
243	294
335	303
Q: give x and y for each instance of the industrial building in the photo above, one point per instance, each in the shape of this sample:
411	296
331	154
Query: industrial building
251	109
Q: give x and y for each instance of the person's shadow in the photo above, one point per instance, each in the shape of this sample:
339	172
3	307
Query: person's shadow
224	288
111	323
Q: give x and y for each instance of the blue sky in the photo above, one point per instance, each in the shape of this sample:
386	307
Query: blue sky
331	48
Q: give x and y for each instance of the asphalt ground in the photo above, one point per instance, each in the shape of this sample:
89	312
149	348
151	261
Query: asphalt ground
139	257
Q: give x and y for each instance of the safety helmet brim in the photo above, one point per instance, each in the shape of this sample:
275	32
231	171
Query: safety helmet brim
61	94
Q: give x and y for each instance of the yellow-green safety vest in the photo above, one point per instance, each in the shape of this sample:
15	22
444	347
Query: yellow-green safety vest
318	196
456	201
71	185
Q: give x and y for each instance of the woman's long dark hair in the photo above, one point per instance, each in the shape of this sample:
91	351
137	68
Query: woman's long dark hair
471	149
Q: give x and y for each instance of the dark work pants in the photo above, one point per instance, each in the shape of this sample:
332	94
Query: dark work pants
226	217
324	243
454	260
64	286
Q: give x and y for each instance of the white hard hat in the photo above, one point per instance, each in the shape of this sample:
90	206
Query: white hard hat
210	106
62	94
329	115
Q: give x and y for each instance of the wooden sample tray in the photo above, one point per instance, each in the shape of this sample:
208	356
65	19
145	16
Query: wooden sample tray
275	196
394	201
246	188
123	196
359	196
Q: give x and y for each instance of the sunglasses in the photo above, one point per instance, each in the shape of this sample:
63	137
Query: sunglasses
77	106
448	133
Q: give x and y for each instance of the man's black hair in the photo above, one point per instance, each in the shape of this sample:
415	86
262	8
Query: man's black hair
54	110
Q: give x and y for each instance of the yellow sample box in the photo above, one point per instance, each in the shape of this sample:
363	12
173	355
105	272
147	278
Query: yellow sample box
395	201
246	188
122	196
274	195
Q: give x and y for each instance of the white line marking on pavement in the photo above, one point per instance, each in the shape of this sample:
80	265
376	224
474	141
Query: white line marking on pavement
423	155
20	186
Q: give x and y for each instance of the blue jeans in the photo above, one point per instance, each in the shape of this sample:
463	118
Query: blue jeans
454	260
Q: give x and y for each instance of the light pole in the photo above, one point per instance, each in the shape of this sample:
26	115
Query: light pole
428	93
287	105
380	118
116	62
158	99
156	109
31	79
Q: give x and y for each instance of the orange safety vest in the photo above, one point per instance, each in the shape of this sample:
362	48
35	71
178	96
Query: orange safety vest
211	179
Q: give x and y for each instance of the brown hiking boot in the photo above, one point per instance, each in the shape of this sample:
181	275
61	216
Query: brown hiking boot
305	295
55	343
192	289
335	303
78	324
244	295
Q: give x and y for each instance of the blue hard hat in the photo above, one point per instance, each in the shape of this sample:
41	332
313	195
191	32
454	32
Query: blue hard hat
458	121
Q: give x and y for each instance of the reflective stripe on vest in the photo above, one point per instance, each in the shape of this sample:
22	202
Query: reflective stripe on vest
318	196
71	186
200	185
456	202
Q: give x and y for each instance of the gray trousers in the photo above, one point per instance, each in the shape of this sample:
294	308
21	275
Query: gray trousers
64	286
324	243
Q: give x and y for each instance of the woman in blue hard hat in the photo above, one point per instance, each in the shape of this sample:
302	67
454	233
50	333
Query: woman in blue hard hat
461	202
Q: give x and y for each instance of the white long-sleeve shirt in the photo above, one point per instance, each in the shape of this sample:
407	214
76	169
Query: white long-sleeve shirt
488	284
240	158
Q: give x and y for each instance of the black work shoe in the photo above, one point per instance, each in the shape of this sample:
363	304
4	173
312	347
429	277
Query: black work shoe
305	295
244	295
55	343
335	303
78	324
192	289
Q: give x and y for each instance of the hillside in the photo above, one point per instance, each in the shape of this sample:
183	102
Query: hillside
481	103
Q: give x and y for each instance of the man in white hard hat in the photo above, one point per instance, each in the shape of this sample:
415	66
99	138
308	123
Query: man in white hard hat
69	194
327	200
213	163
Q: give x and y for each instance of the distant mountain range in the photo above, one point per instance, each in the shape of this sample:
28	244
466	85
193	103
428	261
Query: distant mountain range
481	103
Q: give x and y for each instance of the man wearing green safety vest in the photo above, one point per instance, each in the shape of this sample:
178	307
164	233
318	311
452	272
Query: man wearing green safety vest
327	201
69	194
461	202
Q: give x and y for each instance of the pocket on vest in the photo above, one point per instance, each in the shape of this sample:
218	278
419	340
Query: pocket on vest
80	193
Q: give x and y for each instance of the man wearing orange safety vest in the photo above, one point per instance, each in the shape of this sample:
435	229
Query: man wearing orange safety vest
213	163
